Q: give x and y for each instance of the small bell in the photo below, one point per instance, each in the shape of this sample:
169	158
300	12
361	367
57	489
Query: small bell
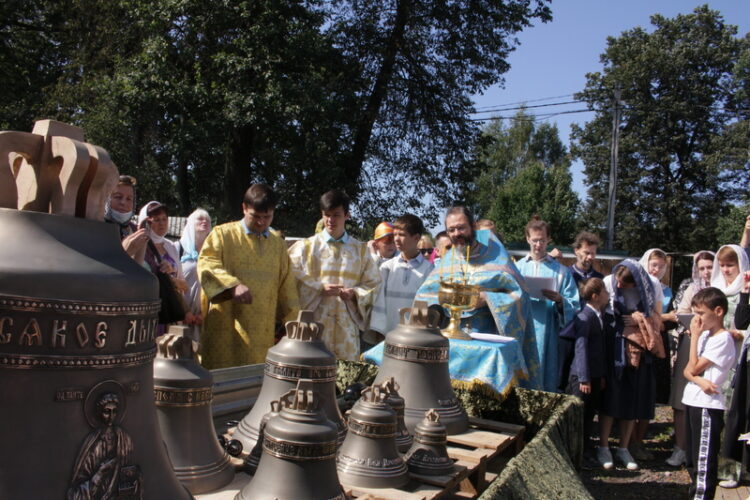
183	395
299	452
368	457
429	454
403	438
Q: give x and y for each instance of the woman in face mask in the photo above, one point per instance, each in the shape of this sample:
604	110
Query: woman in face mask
119	210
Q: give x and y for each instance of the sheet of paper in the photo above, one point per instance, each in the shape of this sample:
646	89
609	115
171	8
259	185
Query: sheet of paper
491	337
535	285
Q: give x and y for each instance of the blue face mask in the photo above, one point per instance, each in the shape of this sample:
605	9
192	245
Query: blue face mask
120	217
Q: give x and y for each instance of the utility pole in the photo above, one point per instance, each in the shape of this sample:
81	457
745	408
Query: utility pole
616	115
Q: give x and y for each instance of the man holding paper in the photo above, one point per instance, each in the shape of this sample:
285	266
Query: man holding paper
479	258
554	298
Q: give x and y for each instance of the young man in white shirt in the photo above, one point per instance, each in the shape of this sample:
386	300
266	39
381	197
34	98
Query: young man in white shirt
400	276
712	355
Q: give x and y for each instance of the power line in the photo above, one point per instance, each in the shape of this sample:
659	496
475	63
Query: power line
494	110
533	118
525	101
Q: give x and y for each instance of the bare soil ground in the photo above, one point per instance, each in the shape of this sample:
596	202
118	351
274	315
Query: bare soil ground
654	480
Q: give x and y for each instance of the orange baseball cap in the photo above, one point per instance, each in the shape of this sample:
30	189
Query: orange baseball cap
383	229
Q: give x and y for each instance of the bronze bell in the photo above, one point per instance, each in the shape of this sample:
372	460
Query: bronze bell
252	460
429	454
416	355
77	324
368	457
403	438
183	394
301	354
299	451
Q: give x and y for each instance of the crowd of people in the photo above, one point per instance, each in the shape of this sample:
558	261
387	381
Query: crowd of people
601	338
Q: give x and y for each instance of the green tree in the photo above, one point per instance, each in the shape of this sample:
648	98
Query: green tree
679	166
525	170
421	63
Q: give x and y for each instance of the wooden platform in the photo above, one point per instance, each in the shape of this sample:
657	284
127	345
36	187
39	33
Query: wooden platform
485	444
740	493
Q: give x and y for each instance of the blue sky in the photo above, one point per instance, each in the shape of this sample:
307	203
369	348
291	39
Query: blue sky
553	58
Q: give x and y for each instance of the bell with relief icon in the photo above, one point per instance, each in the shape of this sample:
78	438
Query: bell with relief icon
77	323
368	457
300	354
299	452
429	453
403	438
416	355
183	394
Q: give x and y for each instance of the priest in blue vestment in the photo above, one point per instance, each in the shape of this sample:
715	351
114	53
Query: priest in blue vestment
504	306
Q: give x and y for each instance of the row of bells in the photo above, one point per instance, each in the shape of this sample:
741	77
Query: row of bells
297	455
380	424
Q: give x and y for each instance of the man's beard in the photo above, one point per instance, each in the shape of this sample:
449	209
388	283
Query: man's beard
461	240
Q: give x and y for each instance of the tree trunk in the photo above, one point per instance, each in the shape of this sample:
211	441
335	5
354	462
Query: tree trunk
183	189
379	89
237	171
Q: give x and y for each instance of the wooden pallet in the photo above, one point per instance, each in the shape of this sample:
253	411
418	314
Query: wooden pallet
473	450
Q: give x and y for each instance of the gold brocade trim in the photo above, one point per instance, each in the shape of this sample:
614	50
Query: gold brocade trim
31	304
27	361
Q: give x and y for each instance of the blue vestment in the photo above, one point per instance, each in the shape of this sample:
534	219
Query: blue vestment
549	318
508	309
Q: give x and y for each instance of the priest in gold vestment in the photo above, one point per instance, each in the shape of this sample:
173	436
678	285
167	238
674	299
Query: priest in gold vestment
246	275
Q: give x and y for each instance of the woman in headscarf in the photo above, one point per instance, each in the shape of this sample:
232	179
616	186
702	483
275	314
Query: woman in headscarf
703	263
161	254
194	233
632	343
654	261
119	210
728	276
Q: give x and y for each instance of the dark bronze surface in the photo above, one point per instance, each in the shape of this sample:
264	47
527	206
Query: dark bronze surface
301	354
368	457
183	402
299	451
395	401
429	454
416	356
77	327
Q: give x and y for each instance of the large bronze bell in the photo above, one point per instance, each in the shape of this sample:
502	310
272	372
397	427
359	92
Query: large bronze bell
77	324
301	354
368	457
429	453
395	401
299	452
416	355
183	394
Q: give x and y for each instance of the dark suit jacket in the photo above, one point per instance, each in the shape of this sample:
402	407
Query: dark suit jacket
588	359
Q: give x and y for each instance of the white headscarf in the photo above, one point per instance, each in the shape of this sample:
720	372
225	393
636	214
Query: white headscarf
143	215
187	240
700	285
717	278
646	256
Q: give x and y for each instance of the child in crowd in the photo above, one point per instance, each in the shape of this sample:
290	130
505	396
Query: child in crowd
588	368
401	276
712	354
